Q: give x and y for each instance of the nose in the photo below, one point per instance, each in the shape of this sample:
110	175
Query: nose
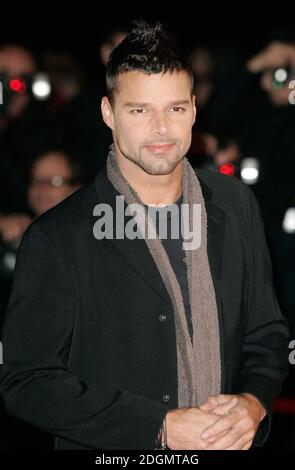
160	123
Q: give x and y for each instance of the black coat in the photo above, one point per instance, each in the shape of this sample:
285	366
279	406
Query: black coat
88	354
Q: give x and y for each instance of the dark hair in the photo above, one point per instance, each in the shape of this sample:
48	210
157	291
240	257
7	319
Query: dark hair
148	48
78	173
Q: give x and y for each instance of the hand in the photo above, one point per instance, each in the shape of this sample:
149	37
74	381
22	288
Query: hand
276	54
238	424
185	425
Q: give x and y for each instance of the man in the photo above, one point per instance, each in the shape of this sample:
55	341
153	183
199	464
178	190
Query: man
106	336
54	175
273	144
26	126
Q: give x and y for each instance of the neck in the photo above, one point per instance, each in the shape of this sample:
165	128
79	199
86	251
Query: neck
152	189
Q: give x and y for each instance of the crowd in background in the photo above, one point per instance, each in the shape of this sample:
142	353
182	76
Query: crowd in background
53	140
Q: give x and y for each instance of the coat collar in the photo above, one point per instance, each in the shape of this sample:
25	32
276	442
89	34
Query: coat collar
136	252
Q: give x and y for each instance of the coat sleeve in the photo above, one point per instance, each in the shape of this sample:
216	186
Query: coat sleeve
35	383
265	349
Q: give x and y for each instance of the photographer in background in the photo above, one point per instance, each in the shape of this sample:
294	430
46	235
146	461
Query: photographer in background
25	125
274	146
276	63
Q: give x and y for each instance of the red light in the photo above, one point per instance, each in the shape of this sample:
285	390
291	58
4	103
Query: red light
17	85
227	169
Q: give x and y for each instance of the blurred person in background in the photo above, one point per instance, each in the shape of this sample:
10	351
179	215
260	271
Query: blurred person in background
25	125
203	66
54	175
83	130
276	56
214	142
112	39
213	152
66	78
274	147
15	62
249	114
203	144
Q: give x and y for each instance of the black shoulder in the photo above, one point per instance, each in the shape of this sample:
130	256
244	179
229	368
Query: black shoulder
226	191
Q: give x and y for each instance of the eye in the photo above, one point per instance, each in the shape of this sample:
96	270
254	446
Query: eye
138	111
177	109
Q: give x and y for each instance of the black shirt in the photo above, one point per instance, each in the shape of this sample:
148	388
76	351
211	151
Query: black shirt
172	242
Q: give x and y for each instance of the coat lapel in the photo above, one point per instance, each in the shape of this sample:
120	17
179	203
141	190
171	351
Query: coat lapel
215	231
136	252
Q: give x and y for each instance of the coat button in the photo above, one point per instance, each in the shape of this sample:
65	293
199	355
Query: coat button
166	398
163	317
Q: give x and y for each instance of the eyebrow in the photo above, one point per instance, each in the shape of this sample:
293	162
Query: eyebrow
145	105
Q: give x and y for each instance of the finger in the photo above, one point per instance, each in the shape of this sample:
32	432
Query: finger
242	444
226	407
209	404
224	398
233	440
260	61
248	445
214	401
224	423
211	440
226	441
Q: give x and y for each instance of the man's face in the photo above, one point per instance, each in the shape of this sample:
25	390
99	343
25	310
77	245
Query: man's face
151	119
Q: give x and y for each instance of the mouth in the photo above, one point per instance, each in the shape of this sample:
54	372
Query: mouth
158	149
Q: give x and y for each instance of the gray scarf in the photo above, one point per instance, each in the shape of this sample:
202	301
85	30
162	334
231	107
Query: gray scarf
198	362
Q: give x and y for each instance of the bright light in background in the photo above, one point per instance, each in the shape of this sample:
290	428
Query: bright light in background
57	181
9	260
249	170
18	85
41	87
227	169
289	220
281	75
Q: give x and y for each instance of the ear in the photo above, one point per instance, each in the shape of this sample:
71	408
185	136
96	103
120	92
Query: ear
194	108
107	112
